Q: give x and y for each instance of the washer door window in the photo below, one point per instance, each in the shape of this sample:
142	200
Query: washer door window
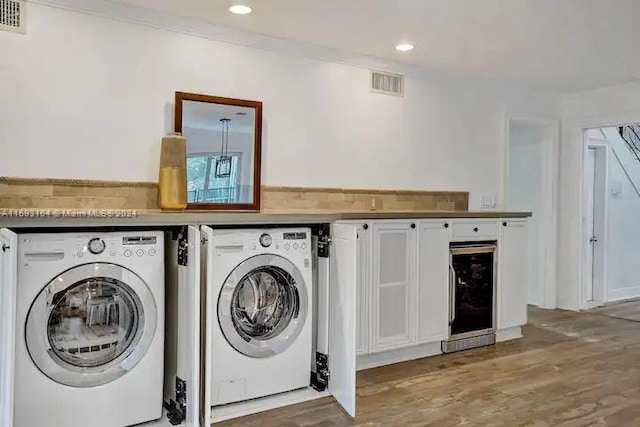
263	306
91	325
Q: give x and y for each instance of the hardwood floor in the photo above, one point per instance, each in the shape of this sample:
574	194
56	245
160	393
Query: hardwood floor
629	310
570	369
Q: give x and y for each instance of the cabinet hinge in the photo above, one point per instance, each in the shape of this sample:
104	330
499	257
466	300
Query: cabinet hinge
203	240
177	409
183	249
324	241
320	378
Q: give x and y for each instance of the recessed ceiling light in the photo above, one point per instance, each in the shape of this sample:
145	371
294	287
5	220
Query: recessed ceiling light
404	47
240	9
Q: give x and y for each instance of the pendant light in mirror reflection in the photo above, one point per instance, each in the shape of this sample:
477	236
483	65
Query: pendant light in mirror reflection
223	149
223	163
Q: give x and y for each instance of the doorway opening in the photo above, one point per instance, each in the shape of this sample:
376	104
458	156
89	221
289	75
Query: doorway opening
611	206
530	182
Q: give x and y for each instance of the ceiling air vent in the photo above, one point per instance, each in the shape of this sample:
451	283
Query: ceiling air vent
387	83
12	15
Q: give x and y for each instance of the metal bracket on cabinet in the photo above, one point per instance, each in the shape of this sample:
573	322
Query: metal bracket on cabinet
324	241
177	409
183	248
320	378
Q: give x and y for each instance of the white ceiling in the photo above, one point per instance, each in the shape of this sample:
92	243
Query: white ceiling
553	45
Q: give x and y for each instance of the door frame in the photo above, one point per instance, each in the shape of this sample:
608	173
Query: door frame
549	200
570	212
600	221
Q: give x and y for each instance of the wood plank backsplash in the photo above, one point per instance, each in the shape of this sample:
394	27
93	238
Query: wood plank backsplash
87	194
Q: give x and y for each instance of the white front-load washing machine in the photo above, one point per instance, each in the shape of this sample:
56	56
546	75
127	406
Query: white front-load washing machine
261	336
90	329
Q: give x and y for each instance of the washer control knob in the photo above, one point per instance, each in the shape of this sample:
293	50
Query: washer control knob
127	253
303	246
295	246
152	252
80	254
265	240
287	246
96	245
139	252
112	253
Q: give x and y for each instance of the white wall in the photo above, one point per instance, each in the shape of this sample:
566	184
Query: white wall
90	98
524	191
598	108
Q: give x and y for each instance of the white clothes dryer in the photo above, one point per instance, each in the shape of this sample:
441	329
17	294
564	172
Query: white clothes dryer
90	329
261	336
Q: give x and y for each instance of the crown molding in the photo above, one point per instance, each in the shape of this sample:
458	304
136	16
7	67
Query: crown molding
198	28
123	12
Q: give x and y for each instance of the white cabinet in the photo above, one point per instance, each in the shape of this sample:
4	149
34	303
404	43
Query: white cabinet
475	229
513	270
363	282
393	285
433	277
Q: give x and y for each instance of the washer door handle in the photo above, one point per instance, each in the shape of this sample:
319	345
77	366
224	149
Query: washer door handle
296	295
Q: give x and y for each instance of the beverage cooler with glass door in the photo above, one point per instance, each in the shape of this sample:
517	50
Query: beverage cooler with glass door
472	295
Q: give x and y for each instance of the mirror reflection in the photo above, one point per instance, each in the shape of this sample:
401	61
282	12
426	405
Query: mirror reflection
220	152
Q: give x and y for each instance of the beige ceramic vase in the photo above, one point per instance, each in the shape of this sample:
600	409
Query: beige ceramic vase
173	173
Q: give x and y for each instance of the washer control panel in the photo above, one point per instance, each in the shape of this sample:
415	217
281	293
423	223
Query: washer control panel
274	240
129	246
90	247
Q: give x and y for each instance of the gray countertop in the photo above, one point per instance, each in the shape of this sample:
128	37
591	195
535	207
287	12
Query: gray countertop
30	218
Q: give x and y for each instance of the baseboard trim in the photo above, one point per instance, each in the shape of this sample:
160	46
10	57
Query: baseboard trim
509	334
254	406
368	361
375	360
622	294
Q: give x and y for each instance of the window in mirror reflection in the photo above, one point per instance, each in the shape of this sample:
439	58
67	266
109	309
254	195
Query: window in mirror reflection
202	184
203	128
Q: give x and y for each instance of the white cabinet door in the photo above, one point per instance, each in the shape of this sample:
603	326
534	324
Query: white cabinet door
8	285
363	293
393	282
514	273
433	280
188	357
342	316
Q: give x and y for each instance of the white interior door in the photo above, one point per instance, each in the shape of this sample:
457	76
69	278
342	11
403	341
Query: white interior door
589	222
207	305
594	223
342	306
188	366
8	286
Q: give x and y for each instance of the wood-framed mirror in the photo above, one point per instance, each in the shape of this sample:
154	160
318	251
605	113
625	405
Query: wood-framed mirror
224	147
